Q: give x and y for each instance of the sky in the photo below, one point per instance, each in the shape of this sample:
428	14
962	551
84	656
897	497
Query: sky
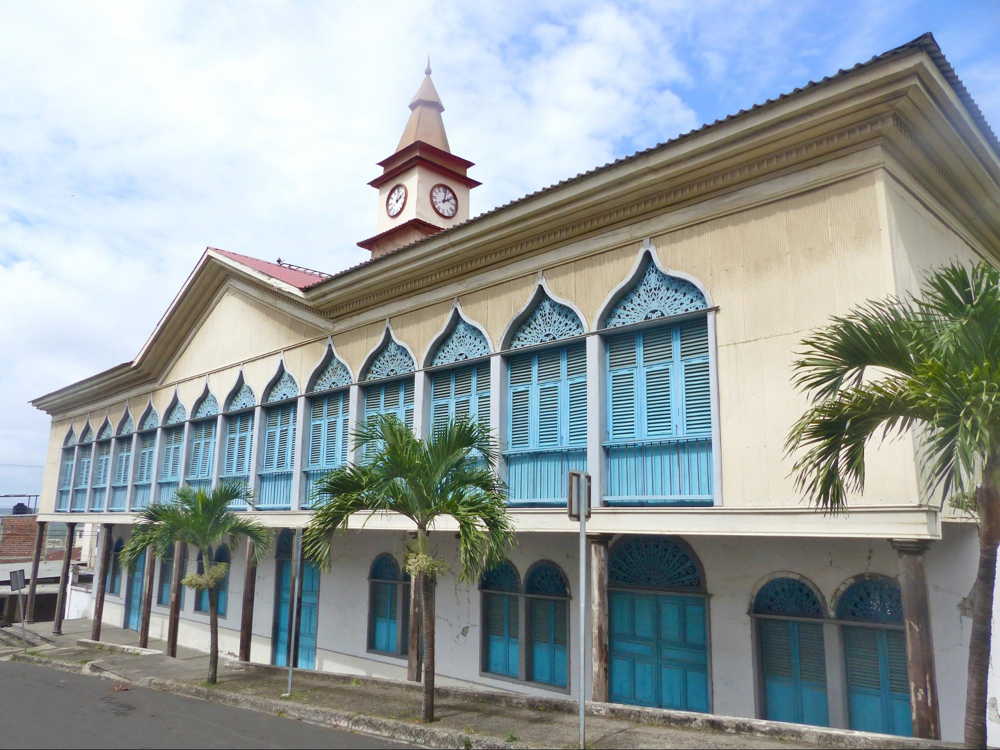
133	135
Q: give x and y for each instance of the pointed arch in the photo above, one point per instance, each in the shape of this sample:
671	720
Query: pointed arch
125	426
106	431
205	406
458	341
282	386
389	359
86	434
542	320
150	419
331	372
241	396
651	292
70	440
176	413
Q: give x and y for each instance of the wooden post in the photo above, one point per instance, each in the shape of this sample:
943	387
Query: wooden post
147	597
174	618
35	560
924	708
100	583
64	579
599	616
249	589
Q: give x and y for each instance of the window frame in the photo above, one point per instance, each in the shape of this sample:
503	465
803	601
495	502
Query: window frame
402	594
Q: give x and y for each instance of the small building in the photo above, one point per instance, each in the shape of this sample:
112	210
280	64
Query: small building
637	322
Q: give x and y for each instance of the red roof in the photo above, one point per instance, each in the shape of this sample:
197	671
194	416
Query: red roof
298	276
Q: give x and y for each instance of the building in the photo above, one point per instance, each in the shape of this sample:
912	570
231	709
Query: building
638	322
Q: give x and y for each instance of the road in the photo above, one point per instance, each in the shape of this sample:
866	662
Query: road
48	708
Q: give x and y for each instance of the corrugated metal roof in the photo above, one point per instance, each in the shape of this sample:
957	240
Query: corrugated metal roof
298	276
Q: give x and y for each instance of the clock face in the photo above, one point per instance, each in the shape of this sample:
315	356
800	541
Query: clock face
395	201
444	201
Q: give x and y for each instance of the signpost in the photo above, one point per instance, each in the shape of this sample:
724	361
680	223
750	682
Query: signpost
293	598
17	584
578	504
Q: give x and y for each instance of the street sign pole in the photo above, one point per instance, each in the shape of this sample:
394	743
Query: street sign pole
295	585
578	504
17	584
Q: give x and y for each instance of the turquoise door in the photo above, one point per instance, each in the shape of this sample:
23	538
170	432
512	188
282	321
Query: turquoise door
659	654
547	620
308	616
133	594
793	662
282	613
878	698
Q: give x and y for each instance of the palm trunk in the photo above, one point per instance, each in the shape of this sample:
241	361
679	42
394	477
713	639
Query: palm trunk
213	625
413	661
427	595
988	500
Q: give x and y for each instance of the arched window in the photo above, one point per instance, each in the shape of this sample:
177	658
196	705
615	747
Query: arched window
547	595
792	652
280	399
238	445
201	442
395	396
114	582
122	464
659	405
657	624
167	576
329	405
546	404
501	589
66	471
201	598
461	392
84	456
168	480
878	695
388	607
102	467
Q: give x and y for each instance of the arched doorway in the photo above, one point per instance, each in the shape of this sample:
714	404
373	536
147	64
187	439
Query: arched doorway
308	615
658	624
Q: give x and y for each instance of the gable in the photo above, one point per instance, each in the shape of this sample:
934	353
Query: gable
236	328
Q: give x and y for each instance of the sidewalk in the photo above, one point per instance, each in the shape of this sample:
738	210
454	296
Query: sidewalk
466	718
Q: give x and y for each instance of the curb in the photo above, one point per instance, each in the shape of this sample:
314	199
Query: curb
117	647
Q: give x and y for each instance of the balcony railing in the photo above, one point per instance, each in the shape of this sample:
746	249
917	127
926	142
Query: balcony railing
79	502
244	481
166	491
140	496
118	494
662	473
312	476
275	491
200	484
538	477
62	500
97	498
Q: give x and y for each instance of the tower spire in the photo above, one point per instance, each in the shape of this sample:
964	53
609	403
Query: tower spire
425	123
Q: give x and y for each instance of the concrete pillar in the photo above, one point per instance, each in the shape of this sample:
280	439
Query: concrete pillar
64	579
174	618
924	708
220	449
596	418
299	450
100	583
498	409
246	615
147	597
599	615
35	560
421	401
354	417
256	454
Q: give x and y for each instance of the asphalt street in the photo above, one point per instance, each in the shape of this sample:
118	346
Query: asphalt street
47	708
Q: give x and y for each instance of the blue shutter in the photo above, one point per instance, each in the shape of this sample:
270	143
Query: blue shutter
170	461
548	628
622	409
202	450
697	391
101	468
502	651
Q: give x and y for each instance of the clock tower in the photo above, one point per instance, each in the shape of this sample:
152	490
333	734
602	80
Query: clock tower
423	187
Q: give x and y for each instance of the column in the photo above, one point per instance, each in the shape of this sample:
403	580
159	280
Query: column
298	455
186	437
353	418
253	481
498	403
246	615
420	399
919	643
130	487
154	470
147	597
595	418
599	616
220	449
100	583
174	618
64	579
35	559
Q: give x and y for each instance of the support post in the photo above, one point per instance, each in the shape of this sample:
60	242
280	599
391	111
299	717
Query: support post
924	709
249	590
35	560
147	597
101	582
599	616
64	579
174	618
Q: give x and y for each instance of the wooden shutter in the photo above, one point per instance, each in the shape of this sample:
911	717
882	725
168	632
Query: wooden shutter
483	393
101	469
696	383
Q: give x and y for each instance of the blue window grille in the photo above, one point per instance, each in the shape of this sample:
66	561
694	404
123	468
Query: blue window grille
391	360
279	456
150	419
878	696
201	597
546	423
206	407
176	414
144	469
102	471
659	416
122	470
388	607
792	652
463	342
238	447
114	581
105	433
331	374
84	457
462	393
172	443
65	479
201	453
501	588
328	437
167	577
547	597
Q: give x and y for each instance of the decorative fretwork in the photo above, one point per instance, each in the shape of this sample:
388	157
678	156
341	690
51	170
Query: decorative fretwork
126	427
464	342
549	321
87	436
502	577
787	596
282	389
872	600
242	398
207	407
392	359
385	568
175	414
70	438
150	420
653	562
546	579
656	295
332	374
105	432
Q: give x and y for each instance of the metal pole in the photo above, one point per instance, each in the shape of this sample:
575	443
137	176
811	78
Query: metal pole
296	583
20	607
581	595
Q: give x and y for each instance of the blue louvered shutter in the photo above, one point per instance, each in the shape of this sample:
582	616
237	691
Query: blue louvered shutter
279	438
201	450
239	431
697	391
521	378
547	398
622	387
442	405
170	461
66	472
123	462
144	464
101	465
460	394
328	431
576	406
83	469
502	652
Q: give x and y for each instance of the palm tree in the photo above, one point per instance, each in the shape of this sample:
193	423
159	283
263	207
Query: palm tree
203	519
930	362
452	474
